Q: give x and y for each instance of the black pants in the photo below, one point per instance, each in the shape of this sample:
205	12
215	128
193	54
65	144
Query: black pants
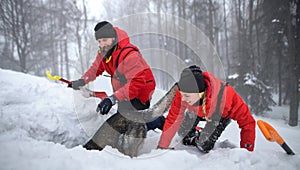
125	130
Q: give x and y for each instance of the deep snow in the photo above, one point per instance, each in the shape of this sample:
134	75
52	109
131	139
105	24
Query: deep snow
43	124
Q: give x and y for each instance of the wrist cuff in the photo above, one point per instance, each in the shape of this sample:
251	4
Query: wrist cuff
113	99
248	146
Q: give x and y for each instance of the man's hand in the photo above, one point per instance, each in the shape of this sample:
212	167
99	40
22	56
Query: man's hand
106	104
76	84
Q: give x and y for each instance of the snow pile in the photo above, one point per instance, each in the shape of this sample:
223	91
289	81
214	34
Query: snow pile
43	125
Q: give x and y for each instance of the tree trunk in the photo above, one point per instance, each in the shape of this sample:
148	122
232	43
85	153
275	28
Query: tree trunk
279	82
210	22
294	99
176	50
184	28
180	24
67	59
251	53
61	54
257	29
226	38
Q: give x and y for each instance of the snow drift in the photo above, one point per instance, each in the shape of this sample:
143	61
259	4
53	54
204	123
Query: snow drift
43	125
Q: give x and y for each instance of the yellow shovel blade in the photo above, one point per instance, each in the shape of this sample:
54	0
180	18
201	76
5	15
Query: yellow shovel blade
52	77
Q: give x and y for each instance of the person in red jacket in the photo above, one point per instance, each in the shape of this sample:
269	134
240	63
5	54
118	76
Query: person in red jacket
131	78
212	100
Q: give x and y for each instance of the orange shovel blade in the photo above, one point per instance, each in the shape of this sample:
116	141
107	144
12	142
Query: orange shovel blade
269	132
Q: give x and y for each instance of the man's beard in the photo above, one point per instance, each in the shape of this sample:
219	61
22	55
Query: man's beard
105	49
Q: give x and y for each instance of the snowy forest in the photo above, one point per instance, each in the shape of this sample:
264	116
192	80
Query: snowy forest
257	41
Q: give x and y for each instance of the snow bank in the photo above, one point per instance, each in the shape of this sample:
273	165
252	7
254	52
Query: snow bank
43	125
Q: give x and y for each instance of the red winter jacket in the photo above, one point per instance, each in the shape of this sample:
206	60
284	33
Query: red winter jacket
140	80
232	106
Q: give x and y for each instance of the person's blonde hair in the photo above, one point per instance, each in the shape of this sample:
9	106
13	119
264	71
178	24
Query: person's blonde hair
204	105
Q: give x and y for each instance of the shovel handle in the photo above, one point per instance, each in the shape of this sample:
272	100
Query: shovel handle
100	95
287	149
272	135
65	81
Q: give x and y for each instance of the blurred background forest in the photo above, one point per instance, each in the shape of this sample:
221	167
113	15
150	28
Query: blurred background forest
256	40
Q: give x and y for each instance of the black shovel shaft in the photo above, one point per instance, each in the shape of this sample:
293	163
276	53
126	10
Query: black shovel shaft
287	149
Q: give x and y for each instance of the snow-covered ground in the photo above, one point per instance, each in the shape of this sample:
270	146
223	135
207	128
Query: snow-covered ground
43	125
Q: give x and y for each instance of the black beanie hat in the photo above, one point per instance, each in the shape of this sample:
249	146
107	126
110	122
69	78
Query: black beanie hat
104	29
191	80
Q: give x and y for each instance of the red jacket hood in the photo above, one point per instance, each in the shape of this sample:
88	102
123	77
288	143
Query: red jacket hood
123	39
213	86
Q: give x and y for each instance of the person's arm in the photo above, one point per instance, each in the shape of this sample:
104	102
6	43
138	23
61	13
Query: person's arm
238	110
172	122
94	71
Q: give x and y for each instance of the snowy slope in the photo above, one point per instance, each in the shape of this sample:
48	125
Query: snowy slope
43	124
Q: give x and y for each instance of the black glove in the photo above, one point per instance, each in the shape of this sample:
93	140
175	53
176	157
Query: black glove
191	138
76	84
205	146
105	105
205	143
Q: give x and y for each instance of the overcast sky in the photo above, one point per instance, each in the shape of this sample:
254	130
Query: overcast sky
95	8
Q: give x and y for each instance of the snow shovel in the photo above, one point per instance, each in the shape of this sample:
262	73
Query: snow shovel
100	94
57	78
271	135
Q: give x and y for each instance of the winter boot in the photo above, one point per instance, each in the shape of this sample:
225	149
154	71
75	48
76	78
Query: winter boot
90	145
131	142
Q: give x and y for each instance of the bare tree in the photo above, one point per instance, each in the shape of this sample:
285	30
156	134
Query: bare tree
293	70
16	20
35	29
226	38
